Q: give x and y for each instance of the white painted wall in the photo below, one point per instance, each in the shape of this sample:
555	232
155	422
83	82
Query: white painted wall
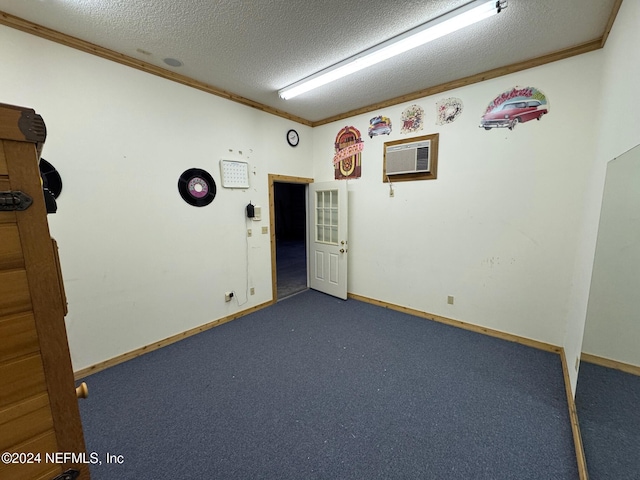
617	129
508	228
140	264
613	323
499	227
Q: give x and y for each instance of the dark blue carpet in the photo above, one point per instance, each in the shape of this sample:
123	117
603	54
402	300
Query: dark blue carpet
317	388
607	403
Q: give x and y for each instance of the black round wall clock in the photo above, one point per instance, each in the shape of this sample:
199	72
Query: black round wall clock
293	138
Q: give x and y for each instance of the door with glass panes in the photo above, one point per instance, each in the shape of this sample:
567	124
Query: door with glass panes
328	244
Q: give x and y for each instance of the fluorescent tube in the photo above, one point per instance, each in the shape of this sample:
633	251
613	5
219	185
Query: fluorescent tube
464	16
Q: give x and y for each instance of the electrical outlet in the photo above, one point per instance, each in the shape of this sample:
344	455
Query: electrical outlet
252	291
577	363
249	232
228	296
450	299
265	229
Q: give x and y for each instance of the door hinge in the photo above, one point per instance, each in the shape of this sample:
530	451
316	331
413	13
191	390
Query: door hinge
14	201
32	126
68	475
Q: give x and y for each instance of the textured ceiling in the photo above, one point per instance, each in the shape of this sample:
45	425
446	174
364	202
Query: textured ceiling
254	48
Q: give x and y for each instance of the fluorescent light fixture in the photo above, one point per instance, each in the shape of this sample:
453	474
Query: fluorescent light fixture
438	27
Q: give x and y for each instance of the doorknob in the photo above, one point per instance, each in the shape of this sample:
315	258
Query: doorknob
82	391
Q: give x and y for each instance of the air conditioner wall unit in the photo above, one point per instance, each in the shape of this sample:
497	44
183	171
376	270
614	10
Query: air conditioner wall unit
408	158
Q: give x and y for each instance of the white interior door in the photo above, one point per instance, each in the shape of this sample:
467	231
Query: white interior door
328	238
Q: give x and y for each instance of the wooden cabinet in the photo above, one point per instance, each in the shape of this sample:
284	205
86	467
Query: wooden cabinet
38	404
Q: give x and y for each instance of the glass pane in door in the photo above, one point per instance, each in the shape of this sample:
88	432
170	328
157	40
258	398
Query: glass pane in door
327	216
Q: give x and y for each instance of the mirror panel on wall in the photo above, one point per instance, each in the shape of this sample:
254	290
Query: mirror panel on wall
608	390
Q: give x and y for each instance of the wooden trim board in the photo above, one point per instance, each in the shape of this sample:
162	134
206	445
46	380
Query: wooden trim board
273	178
457	323
573	416
470	80
87	47
82	45
82	373
79	374
612	18
575	427
606	362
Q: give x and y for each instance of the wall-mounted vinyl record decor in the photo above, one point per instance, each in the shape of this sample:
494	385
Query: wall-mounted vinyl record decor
518	105
51	185
447	110
197	187
51	179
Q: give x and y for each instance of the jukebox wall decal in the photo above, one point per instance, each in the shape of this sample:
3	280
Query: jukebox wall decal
346	161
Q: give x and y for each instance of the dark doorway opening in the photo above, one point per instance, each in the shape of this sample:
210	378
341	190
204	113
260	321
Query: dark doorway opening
290	228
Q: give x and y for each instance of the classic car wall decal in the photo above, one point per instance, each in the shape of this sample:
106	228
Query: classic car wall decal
379	126
518	105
